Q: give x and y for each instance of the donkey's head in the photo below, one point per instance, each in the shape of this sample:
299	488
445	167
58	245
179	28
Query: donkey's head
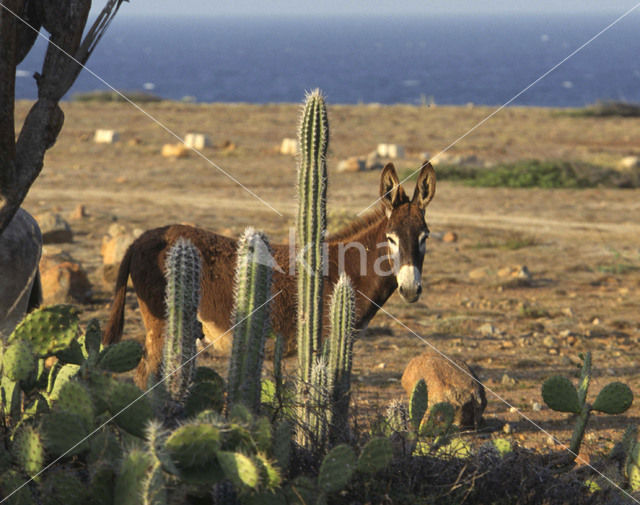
407	230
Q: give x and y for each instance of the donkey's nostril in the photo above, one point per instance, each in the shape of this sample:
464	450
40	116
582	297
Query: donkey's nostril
419	290
402	291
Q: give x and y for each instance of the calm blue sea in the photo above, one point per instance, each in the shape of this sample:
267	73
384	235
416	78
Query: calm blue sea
450	60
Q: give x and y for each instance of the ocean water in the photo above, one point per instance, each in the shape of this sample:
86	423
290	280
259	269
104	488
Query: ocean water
447	60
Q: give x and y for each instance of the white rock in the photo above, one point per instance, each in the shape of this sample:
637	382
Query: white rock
390	151
289	146
197	140
106	136
629	163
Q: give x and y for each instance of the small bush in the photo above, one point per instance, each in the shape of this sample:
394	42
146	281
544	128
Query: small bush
606	108
539	174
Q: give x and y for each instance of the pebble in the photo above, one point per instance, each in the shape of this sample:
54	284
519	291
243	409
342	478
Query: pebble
549	341
536	407
450	237
507	380
478	273
487	329
507	428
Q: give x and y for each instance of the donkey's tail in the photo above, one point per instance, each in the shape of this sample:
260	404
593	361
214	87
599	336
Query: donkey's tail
113	330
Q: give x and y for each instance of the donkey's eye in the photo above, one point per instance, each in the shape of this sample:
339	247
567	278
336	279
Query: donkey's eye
391	240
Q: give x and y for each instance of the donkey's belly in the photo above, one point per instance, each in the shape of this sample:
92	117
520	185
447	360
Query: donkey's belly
220	339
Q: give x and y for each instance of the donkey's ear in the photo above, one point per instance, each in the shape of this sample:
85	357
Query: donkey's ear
391	192
425	186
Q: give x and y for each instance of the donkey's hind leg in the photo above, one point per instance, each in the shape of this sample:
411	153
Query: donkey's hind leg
154	340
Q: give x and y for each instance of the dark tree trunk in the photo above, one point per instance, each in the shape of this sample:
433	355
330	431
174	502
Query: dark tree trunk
20	21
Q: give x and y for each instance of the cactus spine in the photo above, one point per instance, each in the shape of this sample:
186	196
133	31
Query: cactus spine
182	271
251	318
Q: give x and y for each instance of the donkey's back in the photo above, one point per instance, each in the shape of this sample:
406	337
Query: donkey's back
144	262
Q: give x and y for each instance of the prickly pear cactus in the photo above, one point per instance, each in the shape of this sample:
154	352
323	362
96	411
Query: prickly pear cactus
397	417
560	395
18	361
239	469
130	408
418	403
121	357
375	456
74	398
130	479
28	450
193	448
48	330
614	398
337	469
439	420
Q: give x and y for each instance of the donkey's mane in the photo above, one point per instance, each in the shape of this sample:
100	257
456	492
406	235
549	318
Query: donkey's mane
359	225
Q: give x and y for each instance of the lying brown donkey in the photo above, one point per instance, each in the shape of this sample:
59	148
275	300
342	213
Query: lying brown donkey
380	252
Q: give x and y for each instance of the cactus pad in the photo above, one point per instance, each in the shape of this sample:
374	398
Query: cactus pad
64	433
418	403
337	468
502	445
193	448
376	455
239	469
63	487
28	450
614	398
204	396
560	395
73	397
128	485
92	338
439	420
120	357
130	408
48	330
18	361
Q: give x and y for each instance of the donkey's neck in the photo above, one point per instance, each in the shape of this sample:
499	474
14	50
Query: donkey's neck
361	252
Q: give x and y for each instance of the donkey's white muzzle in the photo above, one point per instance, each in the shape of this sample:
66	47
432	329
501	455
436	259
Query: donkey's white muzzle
409	283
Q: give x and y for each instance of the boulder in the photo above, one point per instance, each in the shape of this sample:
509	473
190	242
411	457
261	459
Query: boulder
197	140
106	136
289	147
351	164
63	280
373	161
55	230
447	382
113	248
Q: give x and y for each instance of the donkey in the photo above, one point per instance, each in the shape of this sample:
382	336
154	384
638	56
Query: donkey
392	237
20	288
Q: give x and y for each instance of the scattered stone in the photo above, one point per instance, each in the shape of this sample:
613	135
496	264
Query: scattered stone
55	230
549	341
393	151
629	163
175	151
507	380
536	407
553	351
63	280
373	161
450	237
351	164
448	382
595	321
507	429
567	311
571	340
229	146
478	273
487	329
80	212
197	141
106	136
289	146
523	273
122	179
381	365
135	141
114	246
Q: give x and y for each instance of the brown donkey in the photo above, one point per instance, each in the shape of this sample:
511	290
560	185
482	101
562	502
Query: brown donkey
380	251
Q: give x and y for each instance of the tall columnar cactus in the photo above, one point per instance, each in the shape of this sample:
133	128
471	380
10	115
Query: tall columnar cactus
251	318
182	271
340	350
312	216
560	394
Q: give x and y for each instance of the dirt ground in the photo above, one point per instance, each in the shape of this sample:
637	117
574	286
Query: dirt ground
582	247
